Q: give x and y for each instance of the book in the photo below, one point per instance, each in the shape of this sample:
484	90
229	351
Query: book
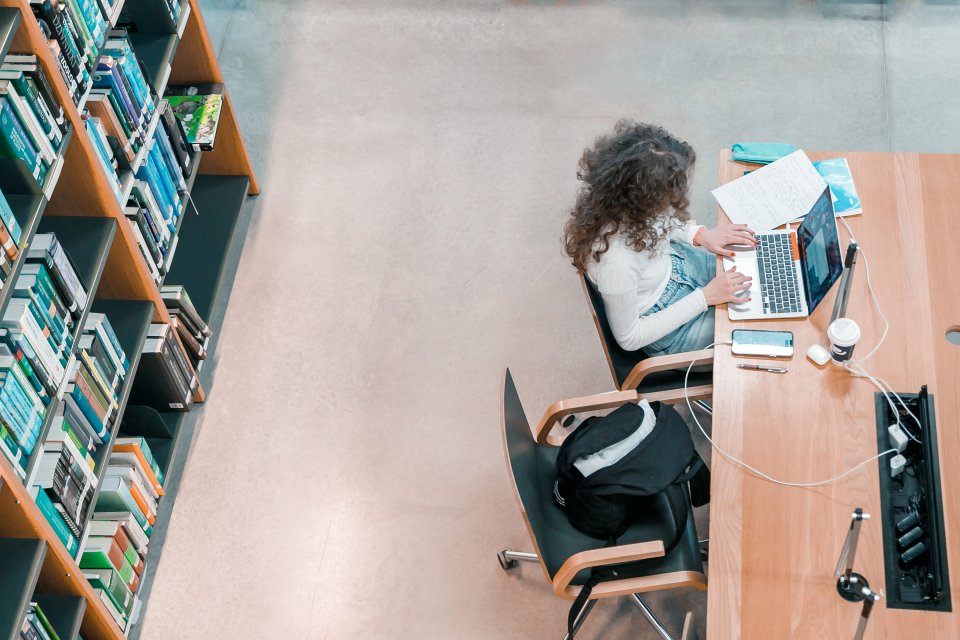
132	456
56	521
109	579
120	537
102	525
115	496
138	491
14	142
200	115
39	620
109	602
189	340
836	173
100	323
27	89
105	553
103	110
176	299
178	142
9	220
123	517
129	443
45	248
28	120
161	382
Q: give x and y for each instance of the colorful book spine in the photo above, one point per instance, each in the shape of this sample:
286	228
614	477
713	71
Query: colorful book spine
10	220
15	143
56	521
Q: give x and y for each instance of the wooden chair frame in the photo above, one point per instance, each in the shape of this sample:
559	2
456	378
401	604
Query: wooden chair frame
561	583
653	364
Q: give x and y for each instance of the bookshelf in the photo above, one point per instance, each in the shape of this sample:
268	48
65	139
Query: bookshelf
76	201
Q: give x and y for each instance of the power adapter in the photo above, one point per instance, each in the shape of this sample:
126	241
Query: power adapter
898	439
897	463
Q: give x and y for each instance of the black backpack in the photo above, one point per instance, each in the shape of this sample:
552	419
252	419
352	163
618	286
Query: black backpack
624	474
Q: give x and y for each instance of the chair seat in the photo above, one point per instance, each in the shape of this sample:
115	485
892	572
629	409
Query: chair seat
559	539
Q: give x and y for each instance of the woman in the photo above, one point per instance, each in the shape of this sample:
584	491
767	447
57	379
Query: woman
630	233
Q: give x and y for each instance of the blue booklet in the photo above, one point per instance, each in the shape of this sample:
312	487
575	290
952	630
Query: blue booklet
836	173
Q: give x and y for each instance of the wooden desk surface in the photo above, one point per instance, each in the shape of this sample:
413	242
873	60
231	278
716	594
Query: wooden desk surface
773	549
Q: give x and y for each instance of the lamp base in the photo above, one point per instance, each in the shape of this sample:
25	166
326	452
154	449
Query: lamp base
851	589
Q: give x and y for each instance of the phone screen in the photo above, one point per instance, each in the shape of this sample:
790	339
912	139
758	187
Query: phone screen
770	338
762	343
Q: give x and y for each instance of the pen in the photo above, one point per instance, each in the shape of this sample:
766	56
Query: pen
758	367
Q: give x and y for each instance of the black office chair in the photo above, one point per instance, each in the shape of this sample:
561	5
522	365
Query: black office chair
657	377
566	555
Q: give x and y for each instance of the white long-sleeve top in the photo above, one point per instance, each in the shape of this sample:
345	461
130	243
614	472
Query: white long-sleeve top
630	282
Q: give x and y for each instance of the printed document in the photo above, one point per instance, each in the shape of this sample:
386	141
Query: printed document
772	195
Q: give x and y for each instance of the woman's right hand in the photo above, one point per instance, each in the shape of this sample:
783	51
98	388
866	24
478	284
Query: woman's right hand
726	286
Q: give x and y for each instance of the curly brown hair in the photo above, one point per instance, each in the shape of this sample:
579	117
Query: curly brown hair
635	183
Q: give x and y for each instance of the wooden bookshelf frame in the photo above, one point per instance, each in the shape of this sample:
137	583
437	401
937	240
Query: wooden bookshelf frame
121	285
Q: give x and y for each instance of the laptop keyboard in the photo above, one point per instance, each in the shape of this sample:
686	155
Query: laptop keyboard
778	276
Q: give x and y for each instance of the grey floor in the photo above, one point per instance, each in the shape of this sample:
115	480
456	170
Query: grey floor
417	161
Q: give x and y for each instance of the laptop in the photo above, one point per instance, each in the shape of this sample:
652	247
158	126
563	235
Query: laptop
791	270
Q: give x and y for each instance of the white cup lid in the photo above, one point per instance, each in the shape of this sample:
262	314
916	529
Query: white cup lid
843	332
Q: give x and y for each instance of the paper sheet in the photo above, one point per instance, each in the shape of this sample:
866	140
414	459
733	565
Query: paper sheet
772	195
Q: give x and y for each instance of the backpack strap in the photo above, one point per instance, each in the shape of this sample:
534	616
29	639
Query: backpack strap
597	575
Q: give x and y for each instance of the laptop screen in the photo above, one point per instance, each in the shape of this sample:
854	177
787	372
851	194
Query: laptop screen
819	250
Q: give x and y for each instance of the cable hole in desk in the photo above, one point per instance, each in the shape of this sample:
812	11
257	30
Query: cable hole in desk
953	335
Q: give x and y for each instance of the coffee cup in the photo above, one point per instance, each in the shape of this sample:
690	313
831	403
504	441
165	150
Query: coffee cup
844	334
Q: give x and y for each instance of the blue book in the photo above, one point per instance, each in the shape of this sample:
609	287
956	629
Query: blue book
166	180
169	159
56	521
87	411
10	220
107	76
836	173
120	47
147	173
14	141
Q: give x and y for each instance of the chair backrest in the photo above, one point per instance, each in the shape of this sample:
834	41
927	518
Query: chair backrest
526	466
621	362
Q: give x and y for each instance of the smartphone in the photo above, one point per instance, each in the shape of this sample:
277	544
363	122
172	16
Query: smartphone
770	344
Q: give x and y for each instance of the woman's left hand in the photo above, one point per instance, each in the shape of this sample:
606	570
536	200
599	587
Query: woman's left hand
718	240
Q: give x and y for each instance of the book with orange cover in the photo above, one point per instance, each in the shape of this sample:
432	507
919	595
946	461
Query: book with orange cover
142	465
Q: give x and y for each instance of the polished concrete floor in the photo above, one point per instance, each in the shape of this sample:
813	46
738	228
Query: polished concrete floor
417	161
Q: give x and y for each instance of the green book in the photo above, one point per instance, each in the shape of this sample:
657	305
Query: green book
115	496
56	521
111	582
200	115
14	142
42	619
98	559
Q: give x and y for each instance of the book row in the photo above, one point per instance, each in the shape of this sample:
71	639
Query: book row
117	537
36	626
172	355
32	122
38	332
76	32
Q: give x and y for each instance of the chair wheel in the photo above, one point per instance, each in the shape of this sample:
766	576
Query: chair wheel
505	564
569	420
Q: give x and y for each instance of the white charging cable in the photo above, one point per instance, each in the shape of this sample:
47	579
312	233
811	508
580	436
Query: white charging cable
884	388
754	470
873	295
862	372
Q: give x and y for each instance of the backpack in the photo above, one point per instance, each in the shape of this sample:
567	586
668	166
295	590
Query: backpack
609	466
